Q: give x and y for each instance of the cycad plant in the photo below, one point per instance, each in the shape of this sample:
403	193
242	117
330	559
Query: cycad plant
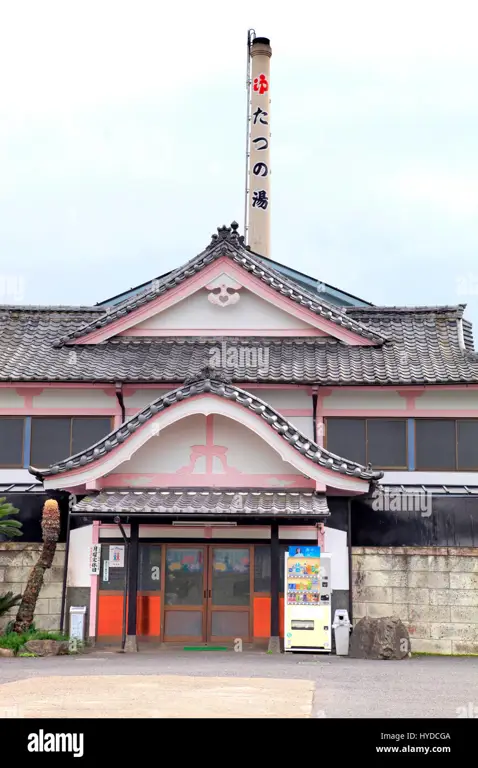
50	525
7	601
8	528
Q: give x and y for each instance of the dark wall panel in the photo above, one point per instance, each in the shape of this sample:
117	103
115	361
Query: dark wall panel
453	522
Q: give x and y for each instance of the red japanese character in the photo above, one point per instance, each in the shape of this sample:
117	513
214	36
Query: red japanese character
261	84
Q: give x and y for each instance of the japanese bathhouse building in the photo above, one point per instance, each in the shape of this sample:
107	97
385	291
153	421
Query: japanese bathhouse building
219	414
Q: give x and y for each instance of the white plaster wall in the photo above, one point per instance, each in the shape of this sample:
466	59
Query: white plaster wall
281	399
336	545
348	398
79	557
460	399
304	424
10	399
169	450
197	312
74	398
247	452
142	397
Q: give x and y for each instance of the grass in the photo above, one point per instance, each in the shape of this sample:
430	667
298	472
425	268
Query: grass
16	641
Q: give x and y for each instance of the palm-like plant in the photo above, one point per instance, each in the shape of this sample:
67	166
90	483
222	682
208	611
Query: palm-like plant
8	528
50	525
7	601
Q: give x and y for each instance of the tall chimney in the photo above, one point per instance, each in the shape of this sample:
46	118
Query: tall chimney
258	233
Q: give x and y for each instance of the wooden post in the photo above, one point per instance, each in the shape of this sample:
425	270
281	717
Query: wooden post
274	641
133	561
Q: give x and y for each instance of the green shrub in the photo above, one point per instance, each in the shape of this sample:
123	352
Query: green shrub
14	641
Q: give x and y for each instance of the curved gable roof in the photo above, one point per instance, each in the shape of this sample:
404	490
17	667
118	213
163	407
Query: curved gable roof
207	384
227	243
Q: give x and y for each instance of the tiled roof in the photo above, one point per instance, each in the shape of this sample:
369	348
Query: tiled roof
424	349
206	502
207	384
230	244
434	490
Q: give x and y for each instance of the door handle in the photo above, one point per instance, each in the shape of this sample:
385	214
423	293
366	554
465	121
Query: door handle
210	593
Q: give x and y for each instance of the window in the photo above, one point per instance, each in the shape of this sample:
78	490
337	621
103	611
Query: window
11	442
115	577
382	442
387	442
446	444
57	438
262	568
149	568
467	443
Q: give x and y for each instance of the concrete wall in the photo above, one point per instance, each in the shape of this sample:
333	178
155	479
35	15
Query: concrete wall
16	562
434	590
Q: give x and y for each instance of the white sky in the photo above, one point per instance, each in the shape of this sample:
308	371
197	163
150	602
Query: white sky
122	139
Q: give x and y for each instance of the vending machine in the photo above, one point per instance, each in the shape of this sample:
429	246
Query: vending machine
308	600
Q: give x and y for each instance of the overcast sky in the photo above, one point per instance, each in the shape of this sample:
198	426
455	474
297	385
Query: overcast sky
122	143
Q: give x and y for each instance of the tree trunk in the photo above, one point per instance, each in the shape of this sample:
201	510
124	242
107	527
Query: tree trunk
50	529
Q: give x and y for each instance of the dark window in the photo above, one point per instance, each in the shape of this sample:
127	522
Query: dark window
435	444
50	441
347	438
382	442
55	439
262	568
115	576
11	442
149	568
387	443
88	431
467	440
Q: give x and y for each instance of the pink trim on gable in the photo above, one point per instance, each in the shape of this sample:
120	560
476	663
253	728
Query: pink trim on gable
160	332
410	396
213	270
205	479
28	393
94	583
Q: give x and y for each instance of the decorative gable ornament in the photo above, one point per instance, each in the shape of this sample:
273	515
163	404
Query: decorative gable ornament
223	296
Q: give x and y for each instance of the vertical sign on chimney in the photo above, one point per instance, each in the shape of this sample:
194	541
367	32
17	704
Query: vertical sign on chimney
258	236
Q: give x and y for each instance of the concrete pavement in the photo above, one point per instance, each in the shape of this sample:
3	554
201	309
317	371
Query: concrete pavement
246	684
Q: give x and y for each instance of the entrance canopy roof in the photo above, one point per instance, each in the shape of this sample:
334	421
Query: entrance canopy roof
194	502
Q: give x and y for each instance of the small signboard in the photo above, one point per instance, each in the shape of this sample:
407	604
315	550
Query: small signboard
304	551
116	556
106	571
95	559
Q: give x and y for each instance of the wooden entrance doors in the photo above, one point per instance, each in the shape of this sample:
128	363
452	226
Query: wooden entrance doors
207	593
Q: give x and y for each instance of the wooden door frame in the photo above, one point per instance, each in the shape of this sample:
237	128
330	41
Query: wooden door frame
175	608
210	609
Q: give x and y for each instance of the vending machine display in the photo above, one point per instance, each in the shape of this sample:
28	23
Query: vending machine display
307	609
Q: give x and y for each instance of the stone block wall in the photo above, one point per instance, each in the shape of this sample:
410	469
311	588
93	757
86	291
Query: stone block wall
16	562
434	590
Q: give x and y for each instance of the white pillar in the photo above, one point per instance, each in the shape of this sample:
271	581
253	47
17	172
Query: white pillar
258	236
